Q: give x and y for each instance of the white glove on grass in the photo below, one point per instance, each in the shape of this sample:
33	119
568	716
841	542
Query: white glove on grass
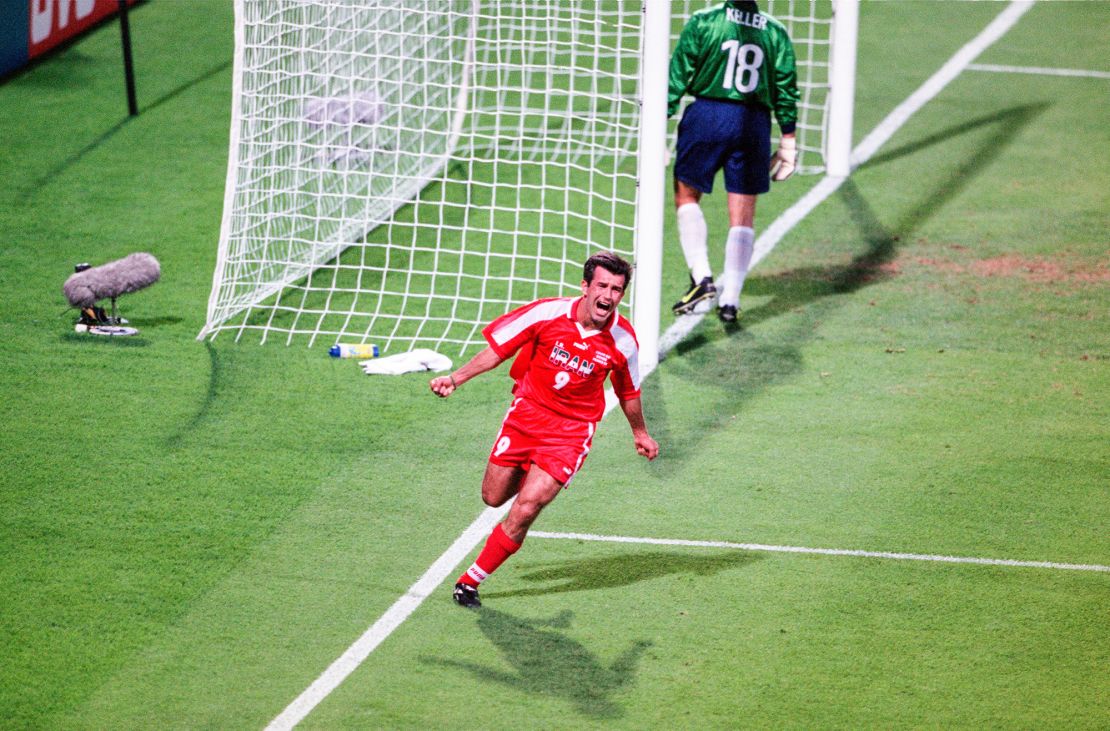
784	159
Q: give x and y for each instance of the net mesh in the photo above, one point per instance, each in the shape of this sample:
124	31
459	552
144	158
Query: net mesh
402	175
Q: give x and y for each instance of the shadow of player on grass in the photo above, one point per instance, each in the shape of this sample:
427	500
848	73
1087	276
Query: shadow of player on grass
733	365
606	572
542	661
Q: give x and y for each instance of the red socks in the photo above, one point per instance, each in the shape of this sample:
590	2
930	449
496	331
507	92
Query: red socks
498	548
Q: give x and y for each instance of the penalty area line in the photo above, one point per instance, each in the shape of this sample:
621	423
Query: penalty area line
349	661
1038	71
824	551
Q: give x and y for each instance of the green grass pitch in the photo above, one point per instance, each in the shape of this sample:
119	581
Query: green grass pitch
192	532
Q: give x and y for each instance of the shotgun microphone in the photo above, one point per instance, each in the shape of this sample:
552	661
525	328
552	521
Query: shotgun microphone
88	285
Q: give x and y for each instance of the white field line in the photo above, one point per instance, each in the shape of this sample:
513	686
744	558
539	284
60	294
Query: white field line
1038	71
346	664
950	70
394	616
824	551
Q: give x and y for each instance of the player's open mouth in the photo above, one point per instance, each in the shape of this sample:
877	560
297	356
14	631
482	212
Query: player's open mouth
604	306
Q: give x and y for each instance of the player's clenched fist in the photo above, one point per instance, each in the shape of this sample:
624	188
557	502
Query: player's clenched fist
442	386
646	446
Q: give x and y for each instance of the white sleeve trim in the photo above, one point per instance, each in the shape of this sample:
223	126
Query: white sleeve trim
626	344
543	311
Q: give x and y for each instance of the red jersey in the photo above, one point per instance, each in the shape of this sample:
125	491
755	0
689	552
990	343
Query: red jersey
562	366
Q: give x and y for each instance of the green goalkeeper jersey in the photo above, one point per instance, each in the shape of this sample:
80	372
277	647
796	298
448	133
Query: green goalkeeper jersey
734	52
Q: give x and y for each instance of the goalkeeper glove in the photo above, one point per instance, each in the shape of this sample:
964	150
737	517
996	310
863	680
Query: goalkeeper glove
783	162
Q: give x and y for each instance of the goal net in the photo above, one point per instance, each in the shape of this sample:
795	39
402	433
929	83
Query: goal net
401	172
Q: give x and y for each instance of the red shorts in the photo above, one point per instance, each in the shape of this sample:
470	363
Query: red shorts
531	435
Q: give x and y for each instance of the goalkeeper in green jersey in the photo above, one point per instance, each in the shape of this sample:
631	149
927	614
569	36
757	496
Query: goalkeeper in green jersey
738	63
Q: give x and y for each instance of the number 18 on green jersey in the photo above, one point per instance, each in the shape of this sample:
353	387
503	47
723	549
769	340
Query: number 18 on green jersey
733	52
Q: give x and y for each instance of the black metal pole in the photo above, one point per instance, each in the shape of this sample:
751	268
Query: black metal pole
128	69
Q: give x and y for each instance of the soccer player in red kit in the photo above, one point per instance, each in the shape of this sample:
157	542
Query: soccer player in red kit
565	349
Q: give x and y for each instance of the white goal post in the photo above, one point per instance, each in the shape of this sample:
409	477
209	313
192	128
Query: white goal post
401	172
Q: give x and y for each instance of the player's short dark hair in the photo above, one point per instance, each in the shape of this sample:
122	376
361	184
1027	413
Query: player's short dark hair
611	263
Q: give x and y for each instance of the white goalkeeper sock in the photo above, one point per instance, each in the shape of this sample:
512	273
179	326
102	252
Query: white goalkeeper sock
738	257
692	235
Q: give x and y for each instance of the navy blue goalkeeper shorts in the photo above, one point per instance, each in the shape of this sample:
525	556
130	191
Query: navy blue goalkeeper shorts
716	134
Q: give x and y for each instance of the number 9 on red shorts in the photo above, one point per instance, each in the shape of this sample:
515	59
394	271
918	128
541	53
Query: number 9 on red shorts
532	434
